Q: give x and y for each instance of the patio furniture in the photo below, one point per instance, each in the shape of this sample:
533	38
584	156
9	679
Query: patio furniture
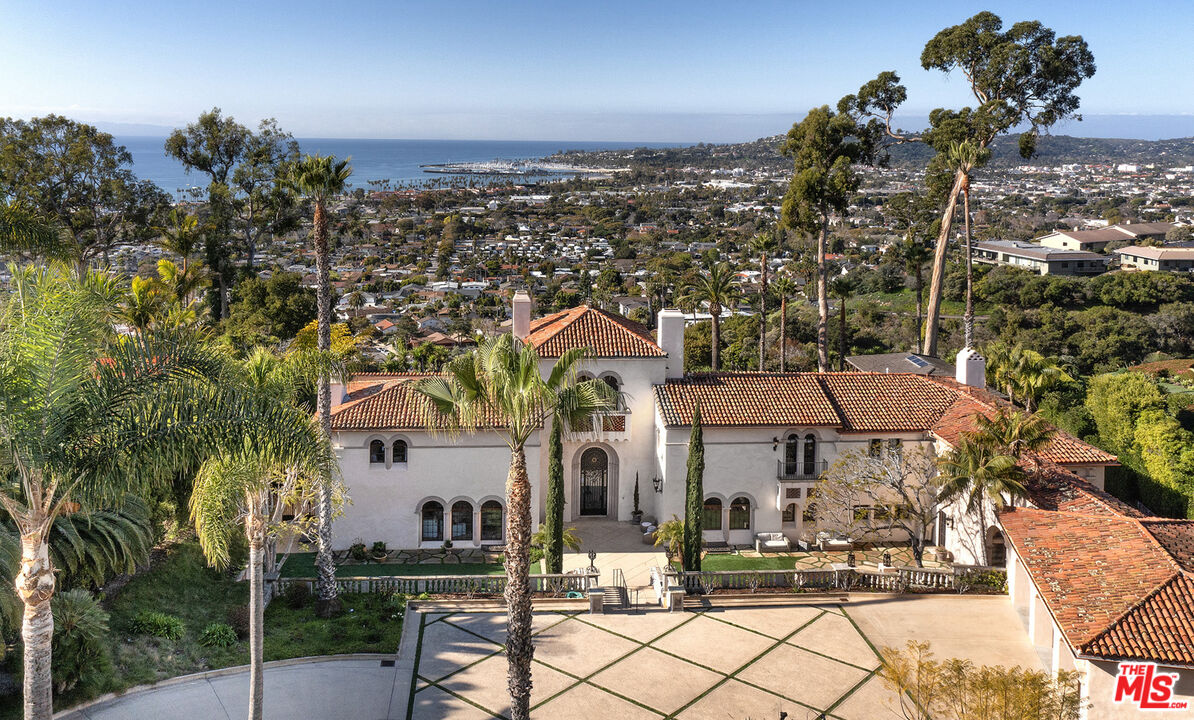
772	542
829	543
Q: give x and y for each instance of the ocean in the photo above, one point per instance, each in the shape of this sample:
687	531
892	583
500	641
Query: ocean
398	161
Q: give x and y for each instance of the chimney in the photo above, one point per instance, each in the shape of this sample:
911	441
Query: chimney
522	315
971	368
339	392
671	339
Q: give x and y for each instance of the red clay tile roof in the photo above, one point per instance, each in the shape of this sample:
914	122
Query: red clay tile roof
886	401
605	334
386	402
1053	488
1115	590
747	399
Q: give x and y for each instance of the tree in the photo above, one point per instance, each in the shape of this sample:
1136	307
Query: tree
980	475
276	473
694	495
763	244
181	236
500	383
24	232
717	289
319	179
553	546
1024	76
81	179
842	288
1023	373
260	201
824	148
899	486
963	157
1116	402
785	288
89	419
670	534
914	255
1017	434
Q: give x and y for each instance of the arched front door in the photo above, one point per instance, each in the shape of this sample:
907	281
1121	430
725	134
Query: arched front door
594	482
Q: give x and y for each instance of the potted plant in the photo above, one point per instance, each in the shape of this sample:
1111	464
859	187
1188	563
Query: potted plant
379	553
637	514
358	552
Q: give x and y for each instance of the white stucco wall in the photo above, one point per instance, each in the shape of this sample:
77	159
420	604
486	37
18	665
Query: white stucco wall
386	498
1098	681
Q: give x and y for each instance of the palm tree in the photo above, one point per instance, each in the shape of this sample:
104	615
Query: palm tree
980	474
914	255
23	232
143	306
1023	373
1013	433
87	419
842	288
962	158
670	535
763	244
785	288
716	289
246	490
500	383
320	178
181	236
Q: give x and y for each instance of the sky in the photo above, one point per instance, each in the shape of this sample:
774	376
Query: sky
610	70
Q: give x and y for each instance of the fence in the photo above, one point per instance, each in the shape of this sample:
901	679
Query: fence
556	584
895	581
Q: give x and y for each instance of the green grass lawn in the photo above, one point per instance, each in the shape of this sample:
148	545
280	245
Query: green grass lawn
303	565
183	585
725	561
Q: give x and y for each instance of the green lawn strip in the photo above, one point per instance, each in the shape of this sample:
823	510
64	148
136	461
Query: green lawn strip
414	670
302	565
500	646
851	691
458	696
726	561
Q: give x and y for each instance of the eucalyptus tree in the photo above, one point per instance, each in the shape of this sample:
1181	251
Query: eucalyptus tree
785	288
320	178
262	206
87	419
1024	76
763	243
824	147
79	178
715	288
499	386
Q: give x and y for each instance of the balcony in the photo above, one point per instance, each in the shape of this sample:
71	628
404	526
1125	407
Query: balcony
800	471
601	427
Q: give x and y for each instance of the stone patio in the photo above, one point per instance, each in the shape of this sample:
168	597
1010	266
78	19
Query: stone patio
741	662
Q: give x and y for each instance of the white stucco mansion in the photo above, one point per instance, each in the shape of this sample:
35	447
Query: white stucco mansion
768	436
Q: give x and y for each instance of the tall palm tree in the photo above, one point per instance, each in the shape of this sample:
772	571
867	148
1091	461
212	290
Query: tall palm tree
842	288
250	489
785	288
499	385
319	179
1013	433
981	475
1023	373
763	244
914	254
963	157
181	235
717	290
88	418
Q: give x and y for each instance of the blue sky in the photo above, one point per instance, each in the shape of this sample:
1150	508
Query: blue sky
662	71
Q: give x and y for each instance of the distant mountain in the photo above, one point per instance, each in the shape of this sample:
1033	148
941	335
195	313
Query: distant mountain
764	153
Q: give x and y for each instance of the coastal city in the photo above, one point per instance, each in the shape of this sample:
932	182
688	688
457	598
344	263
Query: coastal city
732	413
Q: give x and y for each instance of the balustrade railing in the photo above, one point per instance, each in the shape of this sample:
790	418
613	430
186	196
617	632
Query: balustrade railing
556	584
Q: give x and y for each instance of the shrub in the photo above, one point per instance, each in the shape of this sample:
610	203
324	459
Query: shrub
79	645
220	635
238	618
148	622
297	595
357	551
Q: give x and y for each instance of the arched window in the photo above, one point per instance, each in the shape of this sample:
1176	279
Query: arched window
491	520
789	516
462	520
433	521
810	455
792	456
583	377
612	382
711	518
399	451
377	452
740	514
810	513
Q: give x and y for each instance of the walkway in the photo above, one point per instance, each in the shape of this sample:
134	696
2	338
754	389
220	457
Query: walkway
349	689
618	545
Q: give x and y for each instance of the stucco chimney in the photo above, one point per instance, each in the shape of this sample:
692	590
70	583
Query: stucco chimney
671	339
971	368
339	392
522	315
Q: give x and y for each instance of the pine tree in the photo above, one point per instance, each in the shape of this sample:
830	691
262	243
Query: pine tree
694	505
553	549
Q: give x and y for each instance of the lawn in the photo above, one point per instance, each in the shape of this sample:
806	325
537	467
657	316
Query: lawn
303	565
725	561
182	585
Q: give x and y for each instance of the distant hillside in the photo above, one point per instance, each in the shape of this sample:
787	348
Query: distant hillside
764	153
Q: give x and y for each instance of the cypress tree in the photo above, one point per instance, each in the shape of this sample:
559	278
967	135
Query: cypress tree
553	549
694	504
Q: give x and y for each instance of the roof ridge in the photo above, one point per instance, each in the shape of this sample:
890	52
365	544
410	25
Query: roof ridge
554	318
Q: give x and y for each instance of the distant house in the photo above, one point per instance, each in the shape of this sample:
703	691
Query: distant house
902	362
1149	257
1039	259
1097	240
386	327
